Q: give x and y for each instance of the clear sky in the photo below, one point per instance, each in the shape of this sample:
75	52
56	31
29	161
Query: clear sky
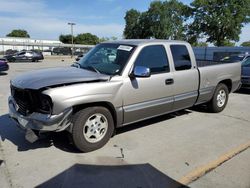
47	19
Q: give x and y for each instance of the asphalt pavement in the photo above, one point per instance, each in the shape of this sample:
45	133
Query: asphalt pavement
159	152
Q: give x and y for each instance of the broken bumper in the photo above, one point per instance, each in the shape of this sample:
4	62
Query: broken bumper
38	121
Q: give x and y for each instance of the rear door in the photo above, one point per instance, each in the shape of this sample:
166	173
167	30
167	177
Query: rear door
147	97
186	77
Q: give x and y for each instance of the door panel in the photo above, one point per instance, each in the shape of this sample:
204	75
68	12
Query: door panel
147	97
186	85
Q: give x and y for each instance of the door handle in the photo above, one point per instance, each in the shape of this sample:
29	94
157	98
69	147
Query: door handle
169	81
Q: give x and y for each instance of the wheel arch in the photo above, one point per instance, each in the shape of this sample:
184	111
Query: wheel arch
104	104
228	83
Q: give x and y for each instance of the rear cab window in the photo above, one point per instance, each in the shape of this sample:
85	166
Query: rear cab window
181	57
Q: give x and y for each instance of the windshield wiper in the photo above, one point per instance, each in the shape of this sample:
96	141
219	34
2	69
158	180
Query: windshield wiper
90	67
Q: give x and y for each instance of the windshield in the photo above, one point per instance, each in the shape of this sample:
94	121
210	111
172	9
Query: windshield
107	58
246	63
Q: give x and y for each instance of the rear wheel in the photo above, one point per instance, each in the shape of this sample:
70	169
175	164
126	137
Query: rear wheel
92	128
219	100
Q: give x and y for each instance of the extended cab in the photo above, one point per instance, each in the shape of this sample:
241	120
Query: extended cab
118	83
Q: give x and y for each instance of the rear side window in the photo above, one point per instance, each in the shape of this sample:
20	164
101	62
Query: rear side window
22	53
153	57
181	57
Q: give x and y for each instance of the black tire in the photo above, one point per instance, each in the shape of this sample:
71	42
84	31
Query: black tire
217	105
79	128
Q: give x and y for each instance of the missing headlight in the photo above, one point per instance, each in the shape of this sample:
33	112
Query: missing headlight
45	104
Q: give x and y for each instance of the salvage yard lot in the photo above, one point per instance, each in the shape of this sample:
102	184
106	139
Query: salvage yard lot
153	153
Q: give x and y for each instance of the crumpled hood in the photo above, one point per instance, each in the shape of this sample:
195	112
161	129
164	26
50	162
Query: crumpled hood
245	71
56	76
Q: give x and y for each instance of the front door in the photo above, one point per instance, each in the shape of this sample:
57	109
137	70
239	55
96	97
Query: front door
147	97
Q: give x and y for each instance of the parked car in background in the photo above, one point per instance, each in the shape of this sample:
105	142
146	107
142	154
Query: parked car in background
62	51
33	56
10	52
235	57
3	65
245	73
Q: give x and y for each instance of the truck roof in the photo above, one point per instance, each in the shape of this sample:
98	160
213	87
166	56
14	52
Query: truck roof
138	42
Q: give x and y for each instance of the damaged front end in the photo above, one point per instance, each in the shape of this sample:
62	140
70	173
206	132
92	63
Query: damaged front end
32	110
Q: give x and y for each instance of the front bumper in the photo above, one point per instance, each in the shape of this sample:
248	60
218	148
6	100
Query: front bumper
38	121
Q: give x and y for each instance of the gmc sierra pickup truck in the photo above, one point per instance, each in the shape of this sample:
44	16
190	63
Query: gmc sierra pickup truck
116	84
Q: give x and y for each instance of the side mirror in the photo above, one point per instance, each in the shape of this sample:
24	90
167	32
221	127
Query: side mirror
141	72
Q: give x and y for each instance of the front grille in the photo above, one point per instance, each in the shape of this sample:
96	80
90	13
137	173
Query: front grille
23	100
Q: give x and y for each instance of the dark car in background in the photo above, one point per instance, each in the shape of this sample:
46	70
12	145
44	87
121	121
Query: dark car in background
3	65
236	57
10	52
33	56
61	51
245	73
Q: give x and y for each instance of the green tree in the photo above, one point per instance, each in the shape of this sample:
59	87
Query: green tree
158	20
220	22
113	38
132	18
103	39
200	44
18	33
86	38
246	44
163	20
168	19
143	28
228	43
66	39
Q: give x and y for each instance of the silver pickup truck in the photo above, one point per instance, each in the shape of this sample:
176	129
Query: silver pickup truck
116	84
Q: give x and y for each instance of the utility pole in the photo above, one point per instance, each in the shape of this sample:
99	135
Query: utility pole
72	38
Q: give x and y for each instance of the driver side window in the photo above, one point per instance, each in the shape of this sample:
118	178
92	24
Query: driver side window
153	57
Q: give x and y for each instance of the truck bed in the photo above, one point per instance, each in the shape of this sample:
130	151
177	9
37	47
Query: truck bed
204	63
210	76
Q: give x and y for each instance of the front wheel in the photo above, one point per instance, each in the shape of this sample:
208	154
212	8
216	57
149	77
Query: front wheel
92	128
219	100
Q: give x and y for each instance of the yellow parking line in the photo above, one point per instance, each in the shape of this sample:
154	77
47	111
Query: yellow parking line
200	171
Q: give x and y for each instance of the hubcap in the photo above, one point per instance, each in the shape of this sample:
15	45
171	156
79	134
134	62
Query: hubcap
95	128
221	98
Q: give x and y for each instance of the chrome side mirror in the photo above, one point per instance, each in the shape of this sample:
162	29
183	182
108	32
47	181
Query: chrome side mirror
141	72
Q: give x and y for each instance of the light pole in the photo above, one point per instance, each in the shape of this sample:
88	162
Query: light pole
72	38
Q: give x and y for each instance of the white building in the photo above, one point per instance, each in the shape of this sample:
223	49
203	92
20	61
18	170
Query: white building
12	40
